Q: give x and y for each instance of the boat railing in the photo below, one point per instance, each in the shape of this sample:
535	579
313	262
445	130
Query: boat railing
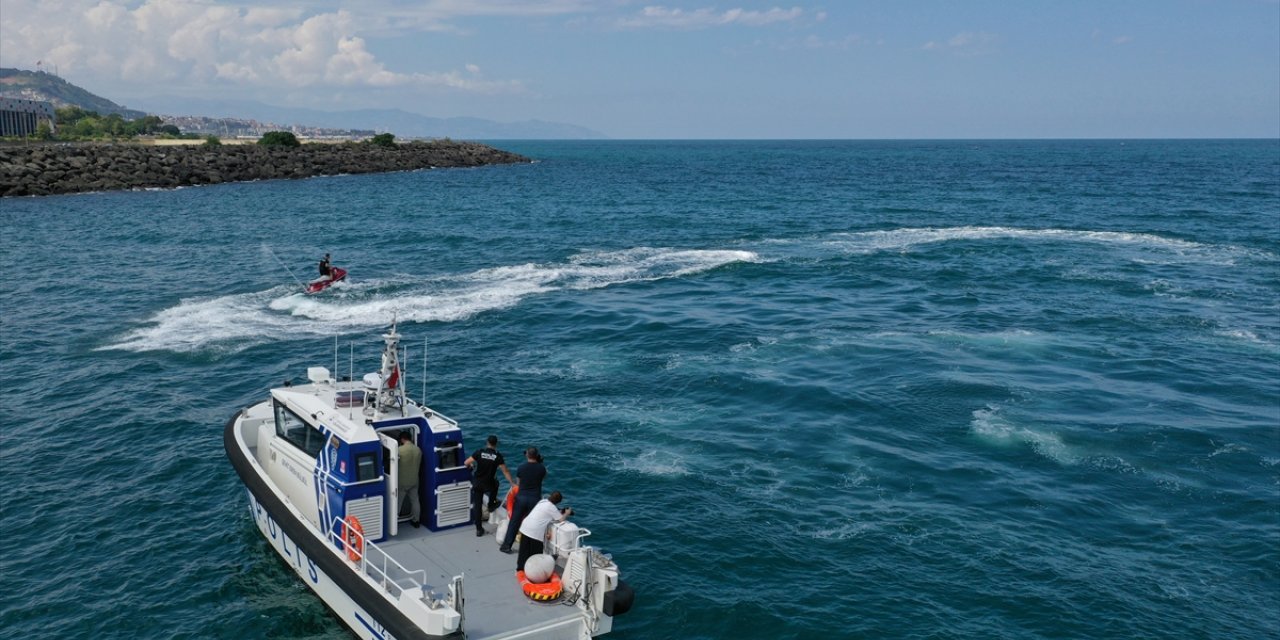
335	480
376	563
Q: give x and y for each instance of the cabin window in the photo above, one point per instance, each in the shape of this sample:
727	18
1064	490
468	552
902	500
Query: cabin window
300	434
449	455
366	466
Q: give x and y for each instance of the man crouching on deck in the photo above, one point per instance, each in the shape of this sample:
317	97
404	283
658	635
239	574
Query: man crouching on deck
534	528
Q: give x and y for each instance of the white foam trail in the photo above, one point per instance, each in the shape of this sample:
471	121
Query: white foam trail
655	463
989	424
1008	337
902	239
241	320
839	532
1246	336
195	323
1229	448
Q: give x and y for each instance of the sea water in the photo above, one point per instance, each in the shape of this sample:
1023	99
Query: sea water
986	389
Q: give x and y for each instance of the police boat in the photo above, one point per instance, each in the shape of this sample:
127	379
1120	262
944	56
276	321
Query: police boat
320	466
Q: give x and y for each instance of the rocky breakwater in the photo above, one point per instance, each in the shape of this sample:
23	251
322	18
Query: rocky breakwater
69	168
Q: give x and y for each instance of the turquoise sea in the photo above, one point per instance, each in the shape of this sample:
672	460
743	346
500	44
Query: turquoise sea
958	389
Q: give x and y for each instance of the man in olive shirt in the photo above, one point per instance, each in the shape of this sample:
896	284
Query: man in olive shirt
410	471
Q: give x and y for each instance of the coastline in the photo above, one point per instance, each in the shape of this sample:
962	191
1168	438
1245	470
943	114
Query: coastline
59	168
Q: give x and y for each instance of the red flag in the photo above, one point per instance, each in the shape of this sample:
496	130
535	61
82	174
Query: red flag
395	377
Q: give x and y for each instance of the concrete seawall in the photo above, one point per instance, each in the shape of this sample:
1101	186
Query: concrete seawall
69	168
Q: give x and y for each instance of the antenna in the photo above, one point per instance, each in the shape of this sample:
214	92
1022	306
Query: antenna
335	359
424	372
404	364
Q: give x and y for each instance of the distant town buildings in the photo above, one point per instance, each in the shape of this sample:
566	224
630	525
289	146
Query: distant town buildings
19	117
241	128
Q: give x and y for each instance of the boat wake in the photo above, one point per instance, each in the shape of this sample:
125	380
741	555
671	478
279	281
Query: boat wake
238	321
1156	247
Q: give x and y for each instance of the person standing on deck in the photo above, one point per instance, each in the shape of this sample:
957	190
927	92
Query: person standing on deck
529	479
410	470
484	464
533	531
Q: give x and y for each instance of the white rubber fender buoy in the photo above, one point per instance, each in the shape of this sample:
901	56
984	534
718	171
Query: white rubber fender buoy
538	569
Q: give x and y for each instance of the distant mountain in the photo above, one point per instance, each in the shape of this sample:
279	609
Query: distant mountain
38	85
402	123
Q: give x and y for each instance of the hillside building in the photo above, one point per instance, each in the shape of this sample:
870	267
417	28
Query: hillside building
19	117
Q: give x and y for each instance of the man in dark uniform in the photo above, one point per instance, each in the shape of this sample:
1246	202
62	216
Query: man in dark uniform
484	464
529	475
325	269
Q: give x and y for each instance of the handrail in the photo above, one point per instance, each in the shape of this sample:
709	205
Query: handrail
582	532
336	532
334	479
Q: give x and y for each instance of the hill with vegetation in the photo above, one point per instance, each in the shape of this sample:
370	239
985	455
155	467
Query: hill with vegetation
39	85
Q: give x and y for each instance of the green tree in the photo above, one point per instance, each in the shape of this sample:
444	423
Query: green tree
385	140
86	127
212	141
143	125
113	125
72	115
43	131
279	139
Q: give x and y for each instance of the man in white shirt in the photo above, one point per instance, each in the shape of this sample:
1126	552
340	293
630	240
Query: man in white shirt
534	528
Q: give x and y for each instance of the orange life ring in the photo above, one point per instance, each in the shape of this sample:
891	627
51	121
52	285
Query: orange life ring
353	538
511	500
549	590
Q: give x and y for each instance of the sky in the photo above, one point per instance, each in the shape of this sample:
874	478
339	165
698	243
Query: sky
694	69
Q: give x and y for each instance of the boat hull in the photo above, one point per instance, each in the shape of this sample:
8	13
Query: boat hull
360	605
320	284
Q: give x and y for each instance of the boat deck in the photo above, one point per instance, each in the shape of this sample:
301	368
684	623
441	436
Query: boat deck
495	605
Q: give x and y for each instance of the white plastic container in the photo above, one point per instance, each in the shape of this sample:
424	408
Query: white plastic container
564	537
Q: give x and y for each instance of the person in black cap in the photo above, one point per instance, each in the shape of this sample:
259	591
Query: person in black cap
484	464
325	269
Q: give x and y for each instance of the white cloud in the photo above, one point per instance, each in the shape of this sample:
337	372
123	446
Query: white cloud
663	17
815	43
1118	40
270	17
966	43
401	17
193	40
